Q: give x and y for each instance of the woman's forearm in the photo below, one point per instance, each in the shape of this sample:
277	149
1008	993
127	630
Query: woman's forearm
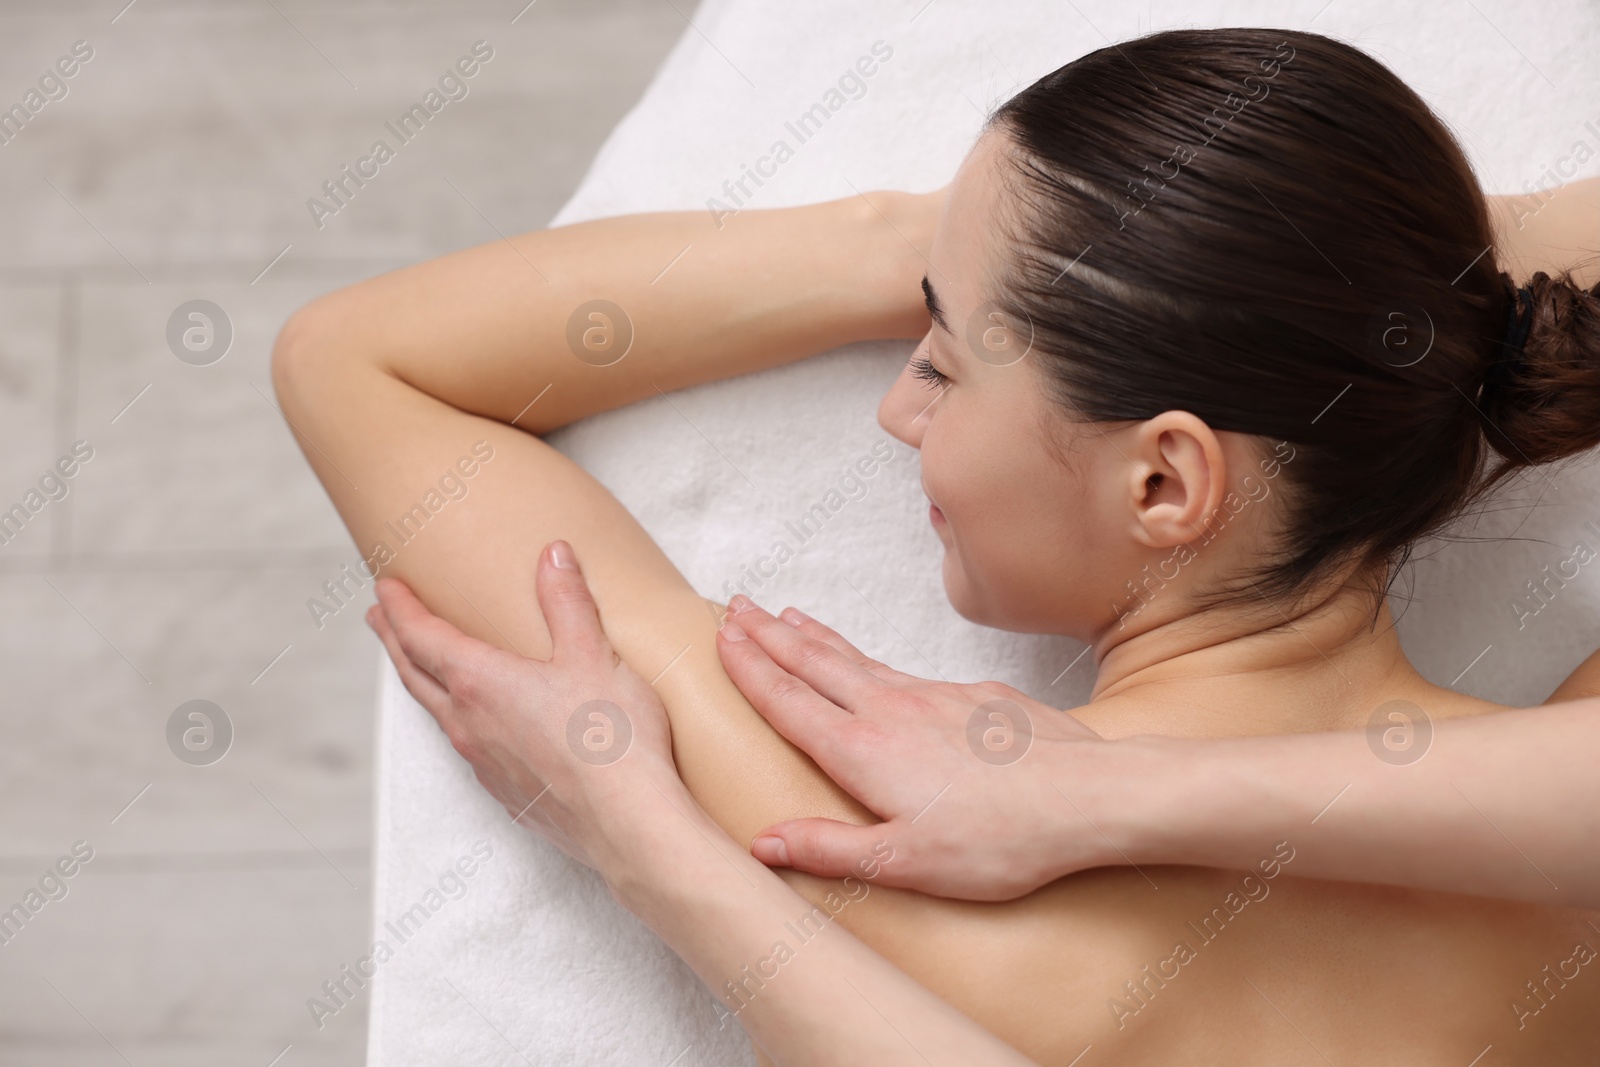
804	988
597	315
1503	805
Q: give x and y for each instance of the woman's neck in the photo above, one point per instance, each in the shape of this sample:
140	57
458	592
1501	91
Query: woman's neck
1255	668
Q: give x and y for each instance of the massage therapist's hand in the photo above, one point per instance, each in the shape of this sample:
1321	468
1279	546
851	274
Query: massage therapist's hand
570	745
966	826
967	778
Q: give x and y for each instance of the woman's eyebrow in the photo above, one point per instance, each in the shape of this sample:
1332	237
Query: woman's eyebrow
934	310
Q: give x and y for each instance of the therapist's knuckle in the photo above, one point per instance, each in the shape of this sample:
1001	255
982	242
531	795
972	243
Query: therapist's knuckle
462	740
905	704
861	741
466	686
812	654
786	688
405	641
571	592
996	690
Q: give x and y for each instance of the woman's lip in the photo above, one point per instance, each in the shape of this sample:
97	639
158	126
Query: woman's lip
935	516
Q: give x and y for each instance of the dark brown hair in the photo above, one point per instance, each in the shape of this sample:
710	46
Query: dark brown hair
1267	228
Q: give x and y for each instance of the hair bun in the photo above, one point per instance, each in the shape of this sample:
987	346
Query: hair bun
1541	399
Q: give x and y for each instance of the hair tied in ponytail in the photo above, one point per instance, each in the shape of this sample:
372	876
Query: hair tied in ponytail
1519	320
1513	336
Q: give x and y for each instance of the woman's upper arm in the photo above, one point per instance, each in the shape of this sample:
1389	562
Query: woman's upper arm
380	446
394	460
390	384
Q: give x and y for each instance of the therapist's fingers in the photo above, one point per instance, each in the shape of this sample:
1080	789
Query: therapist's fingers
427	640
569	608
828	636
826	848
794	709
830	672
419	683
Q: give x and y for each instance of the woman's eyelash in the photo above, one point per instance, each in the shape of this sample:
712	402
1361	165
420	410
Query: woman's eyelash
922	368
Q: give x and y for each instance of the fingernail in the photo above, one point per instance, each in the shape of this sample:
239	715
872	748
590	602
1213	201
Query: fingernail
770	850
739	603
793	616
561	556
732	631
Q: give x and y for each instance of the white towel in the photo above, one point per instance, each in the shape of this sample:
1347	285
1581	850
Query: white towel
534	963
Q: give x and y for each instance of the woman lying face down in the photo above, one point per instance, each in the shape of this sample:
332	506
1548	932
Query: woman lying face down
1217	337
1214	342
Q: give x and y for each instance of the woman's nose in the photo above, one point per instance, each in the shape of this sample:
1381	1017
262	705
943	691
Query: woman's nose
905	409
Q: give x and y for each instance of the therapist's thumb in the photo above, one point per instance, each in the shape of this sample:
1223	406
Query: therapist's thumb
568	606
826	848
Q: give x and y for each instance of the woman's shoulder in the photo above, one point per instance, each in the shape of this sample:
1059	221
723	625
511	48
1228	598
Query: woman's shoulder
1584	681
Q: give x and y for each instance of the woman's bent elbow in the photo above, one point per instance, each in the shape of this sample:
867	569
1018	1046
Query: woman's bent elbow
303	351
292	356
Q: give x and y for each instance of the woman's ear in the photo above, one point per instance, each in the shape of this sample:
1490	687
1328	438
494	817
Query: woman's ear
1178	480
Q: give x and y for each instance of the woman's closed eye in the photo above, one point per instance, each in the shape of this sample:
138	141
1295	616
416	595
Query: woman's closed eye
923	368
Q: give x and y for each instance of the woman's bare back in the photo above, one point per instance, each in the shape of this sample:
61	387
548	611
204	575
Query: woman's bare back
1171	964
1199	966
1336	969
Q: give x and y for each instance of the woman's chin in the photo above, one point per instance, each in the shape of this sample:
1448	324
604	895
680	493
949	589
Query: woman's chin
975	605
958	590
